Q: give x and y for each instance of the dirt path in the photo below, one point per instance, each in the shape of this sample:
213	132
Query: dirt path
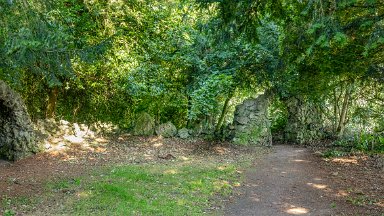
289	181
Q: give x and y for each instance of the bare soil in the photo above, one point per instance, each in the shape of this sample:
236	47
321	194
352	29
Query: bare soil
295	181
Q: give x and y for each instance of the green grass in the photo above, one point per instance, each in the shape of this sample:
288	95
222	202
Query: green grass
7	204
157	189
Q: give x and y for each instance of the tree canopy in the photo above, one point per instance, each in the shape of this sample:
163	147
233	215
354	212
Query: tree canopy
191	62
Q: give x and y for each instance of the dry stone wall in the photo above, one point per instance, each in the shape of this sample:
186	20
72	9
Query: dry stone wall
17	138
304	121
251	123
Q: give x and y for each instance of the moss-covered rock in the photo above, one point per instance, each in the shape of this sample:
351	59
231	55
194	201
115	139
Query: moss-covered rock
144	125
251	123
166	130
183	133
304	121
17	139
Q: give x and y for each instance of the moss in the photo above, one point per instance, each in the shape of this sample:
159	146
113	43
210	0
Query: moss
251	136
144	125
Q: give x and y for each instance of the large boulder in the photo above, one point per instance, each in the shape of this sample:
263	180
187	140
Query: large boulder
144	125
251	124
183	133
166	130
17	138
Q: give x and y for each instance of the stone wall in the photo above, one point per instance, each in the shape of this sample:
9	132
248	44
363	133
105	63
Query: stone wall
17	138
304	121
251	123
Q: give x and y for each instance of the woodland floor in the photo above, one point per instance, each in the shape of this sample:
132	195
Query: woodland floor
286	181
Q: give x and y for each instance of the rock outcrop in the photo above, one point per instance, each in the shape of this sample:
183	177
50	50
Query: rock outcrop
144	125
251	123
17	138
183	133
304	121
166	130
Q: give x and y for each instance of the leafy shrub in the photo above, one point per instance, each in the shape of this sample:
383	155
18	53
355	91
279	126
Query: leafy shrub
334	153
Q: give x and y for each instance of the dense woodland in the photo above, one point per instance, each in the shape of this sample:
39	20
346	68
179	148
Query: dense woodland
192	62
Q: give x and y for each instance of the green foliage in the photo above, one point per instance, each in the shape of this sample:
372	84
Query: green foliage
278	116
369	142
205	98
333	153
180	60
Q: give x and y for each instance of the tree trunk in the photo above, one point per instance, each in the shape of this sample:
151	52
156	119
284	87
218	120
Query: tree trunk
52	102
223	112
335	111
344	111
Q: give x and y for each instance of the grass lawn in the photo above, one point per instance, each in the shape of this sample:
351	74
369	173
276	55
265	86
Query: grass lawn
172	188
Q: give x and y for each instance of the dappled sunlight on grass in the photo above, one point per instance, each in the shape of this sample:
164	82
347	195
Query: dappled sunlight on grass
220	184
171	171
162	189
83	194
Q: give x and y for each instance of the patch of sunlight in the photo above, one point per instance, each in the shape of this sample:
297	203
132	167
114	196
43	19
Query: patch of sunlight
220	150
221	168
74	139
171	171
59	147
159	144
318	179
344	160
184	158
156	139
297	210
381	203
283	172
99	150
236	184
57	154
101	140
221	184
148	157
317	186
181	202
55	140
342	193
67	158
297	160
82	194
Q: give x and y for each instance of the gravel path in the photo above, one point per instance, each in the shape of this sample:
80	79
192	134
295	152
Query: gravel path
287	181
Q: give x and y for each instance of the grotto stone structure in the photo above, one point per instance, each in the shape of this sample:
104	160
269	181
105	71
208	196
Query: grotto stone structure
251	123
17	138
304	121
